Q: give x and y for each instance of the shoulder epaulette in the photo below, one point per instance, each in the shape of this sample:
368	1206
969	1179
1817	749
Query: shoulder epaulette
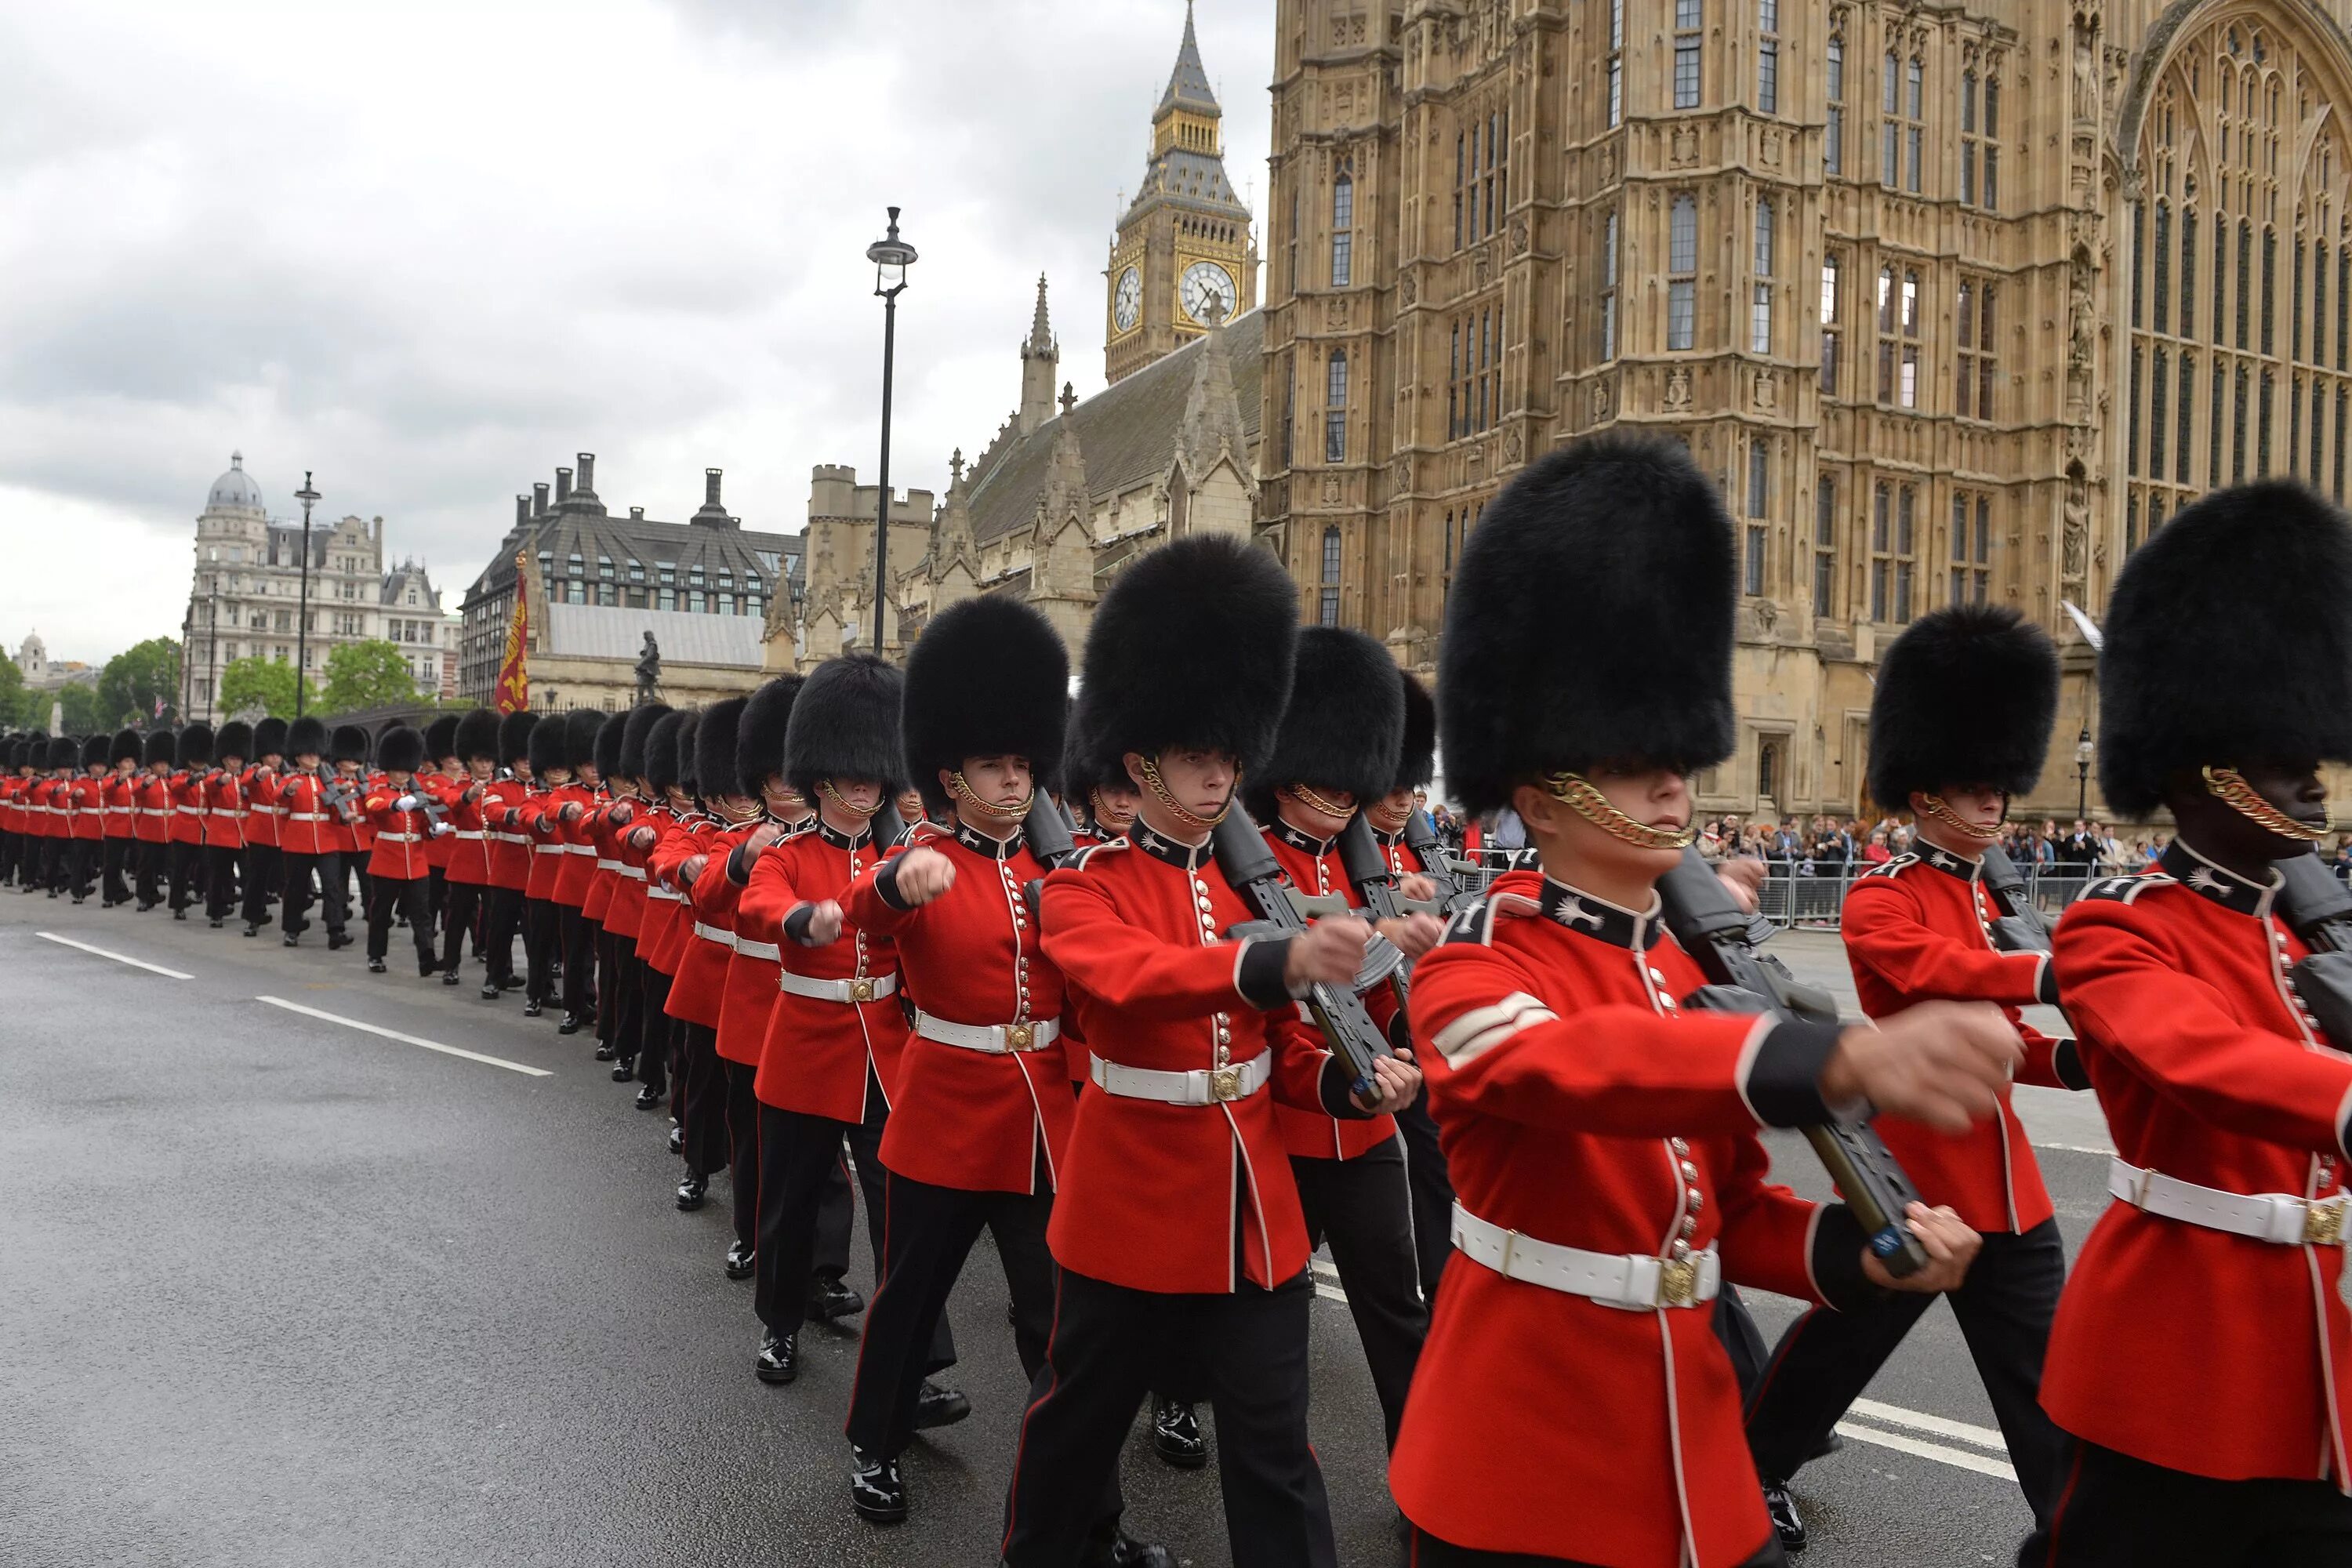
1475	923
2124	890
1892	867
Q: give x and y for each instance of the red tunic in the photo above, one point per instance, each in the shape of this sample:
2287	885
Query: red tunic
817	1052
151	821
604	861
1313	866
1917	929
510	842
189	804
625	915
401	837
658	932
962	1118
224	812
538	825
89	807
575	868
303	829
752	970
2178	1344
706	934
261	811
1579	1107
122	811
470	855
1157	1196
12	804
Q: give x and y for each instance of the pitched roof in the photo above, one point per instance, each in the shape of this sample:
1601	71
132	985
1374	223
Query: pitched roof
1188	84
1126	432
621	540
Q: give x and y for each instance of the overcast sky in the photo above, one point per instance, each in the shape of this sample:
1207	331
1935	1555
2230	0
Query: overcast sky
430	251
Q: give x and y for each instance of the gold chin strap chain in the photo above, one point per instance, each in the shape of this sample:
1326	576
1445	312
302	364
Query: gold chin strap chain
1159	792
1580	796
834	795
1957	824
1104	821
962	791
1313	802
2228	787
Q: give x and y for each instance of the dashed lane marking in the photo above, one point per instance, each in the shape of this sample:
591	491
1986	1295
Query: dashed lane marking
1960	1458
404	1039
118	957
1935	1425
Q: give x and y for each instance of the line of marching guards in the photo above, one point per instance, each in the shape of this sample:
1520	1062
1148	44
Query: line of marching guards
1168	987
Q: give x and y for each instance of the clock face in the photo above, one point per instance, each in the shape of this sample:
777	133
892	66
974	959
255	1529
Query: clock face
1127	303
1204	281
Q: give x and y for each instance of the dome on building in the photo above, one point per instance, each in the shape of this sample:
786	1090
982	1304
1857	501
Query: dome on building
236	487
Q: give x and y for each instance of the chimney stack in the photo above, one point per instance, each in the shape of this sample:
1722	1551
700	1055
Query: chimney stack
636	514
538	500
562	486
711	488
522	510
588	472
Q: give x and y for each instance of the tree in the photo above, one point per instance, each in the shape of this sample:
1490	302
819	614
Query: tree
135	680
260	682
364	675
78	703
15	705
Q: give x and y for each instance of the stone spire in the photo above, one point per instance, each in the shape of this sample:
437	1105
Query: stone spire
1188	84
1041	362
1212	414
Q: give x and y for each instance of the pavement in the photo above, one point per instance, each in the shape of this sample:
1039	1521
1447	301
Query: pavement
305	1265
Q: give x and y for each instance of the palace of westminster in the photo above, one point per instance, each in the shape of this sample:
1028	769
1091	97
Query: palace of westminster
1957	301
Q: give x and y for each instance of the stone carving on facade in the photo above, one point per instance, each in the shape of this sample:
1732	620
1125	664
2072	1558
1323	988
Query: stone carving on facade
1331	489
1513	446
2073	538
1768	394
1518	237
2081	327
1609	163
1599	400
1678	389
1685	150
1335	313
1401	474
1770	151
1482	266
1408	286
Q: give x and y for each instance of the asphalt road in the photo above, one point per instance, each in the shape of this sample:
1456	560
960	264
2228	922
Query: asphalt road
275	1290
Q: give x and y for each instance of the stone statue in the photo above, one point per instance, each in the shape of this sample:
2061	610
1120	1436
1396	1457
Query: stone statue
2074	537
2086	78
649	672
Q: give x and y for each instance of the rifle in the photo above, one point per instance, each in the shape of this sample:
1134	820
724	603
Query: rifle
1452	893
1252	870
1368	872
888	828
1047	829
2019	926
2318	907
1706	923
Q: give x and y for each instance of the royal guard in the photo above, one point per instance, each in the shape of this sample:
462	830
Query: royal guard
509	845
190	801
542	928
53	800
12	807
306	841
89	791
1960	722
264	875
1175	1225
352	833
633	809
836	1033
398	872
224	812
604	830
467	794
152	829
2201	1360
692	859
1601	1136
658	930
576	932
438	778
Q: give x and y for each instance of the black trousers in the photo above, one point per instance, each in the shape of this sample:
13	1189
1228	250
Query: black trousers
2116	1511
292	916
583	942
542	938
390	897
81	865
263	873
1105	1348
220	880
187	864
1363	1208
355	863
464	907
114	857
614	983
498	929
2004	1307
152	861
743	1156
437	893
1432	1192
654	1028
835	1213
1423	1550
12	845
702	1126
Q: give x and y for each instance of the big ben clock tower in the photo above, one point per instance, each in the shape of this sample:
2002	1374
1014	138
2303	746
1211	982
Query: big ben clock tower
1183	255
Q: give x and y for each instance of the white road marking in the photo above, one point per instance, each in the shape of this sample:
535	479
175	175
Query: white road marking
405	1039
1960	1458
119	958
1935	1425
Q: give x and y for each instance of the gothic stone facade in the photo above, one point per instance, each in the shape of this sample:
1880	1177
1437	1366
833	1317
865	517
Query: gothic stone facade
1955	302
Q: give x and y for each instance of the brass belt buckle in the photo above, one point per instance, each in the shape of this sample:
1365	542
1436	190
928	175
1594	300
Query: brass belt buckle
861	989
1017	1036
2323	1223
1678	1282
1224	1084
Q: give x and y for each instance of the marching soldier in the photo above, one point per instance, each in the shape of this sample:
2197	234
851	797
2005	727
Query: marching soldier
264	875
2201	1360
224	820
604	835
306	841
89	842
625	916
12	809
542	929
191	800
1174	1217
1960	722
1601	1141
697	854
658	931
398	872
352	835
152	829
436	777
577	932
510	849
476	740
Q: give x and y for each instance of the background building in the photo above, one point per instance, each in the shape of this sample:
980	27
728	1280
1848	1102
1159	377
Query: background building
246	598
43	673
597	585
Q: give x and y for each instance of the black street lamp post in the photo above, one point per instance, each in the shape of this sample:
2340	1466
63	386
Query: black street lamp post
2083	772
309	497
891	256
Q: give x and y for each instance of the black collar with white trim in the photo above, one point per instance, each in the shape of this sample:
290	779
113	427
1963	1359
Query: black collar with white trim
1596	917
1190	856
2216	883
1944	861
1299	839
980	844
841	840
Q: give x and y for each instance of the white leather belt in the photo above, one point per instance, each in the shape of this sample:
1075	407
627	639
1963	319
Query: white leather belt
471	833
2279	1217
665	894
633	873
224	811
579	849
604	865
547	848
305	816
1635	1281
870	988
511	838
995	1039
1202	1085
144	811
184	810
400	839
766	950
715	933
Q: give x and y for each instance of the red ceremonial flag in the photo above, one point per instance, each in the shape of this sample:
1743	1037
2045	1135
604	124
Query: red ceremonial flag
514	667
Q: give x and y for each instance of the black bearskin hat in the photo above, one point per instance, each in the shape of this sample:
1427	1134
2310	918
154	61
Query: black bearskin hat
690	725
988	678
1343	726
1086	769
399	750
441	737
845	725
65	752
95	749
235	740
608	756
661	751
1591	621
579	728
1966	698
477	735
714	748
126	748
1417	761
161	746
269	737
759	732
1192	646
350	744
640	726
514	736
306	737
2229	641
195	745
546	746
